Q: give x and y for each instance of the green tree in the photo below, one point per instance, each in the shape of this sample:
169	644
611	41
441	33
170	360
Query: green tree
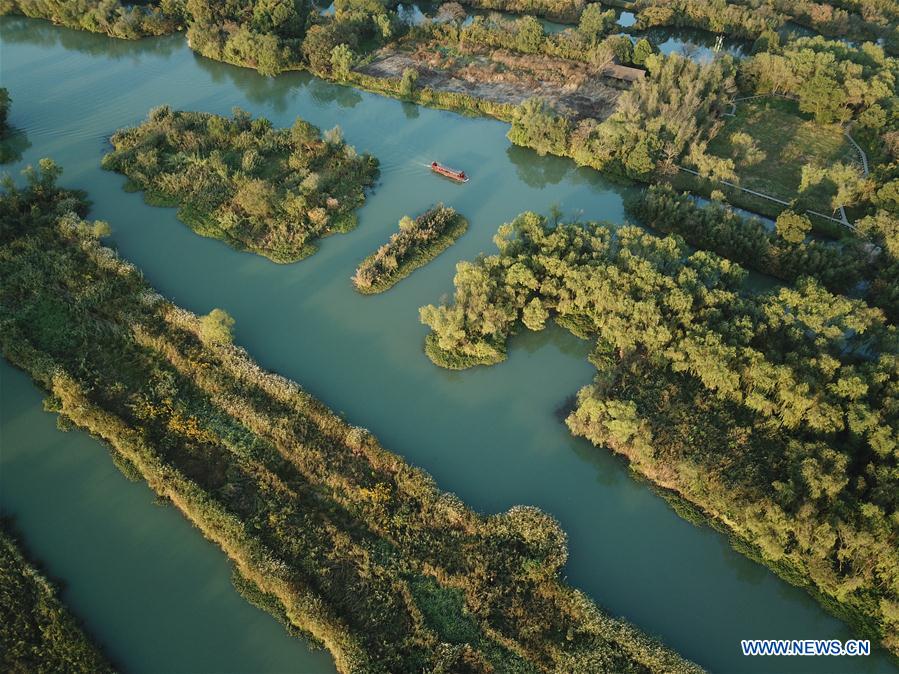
639	160
823	97
792	226
407	83
848	182
536	125
534	315
595	22
643	49
216	326
528	34
341	60
746	151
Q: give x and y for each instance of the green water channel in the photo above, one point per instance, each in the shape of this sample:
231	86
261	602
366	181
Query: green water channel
148	586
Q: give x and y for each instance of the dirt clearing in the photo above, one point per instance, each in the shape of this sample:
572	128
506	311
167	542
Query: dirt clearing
575	89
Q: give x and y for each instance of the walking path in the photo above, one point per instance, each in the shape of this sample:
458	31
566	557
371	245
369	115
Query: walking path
858	147
842	220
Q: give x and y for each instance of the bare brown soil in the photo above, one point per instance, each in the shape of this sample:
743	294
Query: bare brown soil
575	89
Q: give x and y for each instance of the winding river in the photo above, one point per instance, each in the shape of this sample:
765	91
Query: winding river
148	586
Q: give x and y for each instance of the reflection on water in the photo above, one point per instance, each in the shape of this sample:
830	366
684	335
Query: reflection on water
410	110
325	92
626	19
150	588
14	144
536	171
696	44
276	92
45	34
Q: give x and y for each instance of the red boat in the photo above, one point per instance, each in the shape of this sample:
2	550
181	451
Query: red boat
447	172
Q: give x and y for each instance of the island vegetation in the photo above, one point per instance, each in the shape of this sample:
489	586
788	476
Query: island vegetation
270	191
418	242
339	538
38	634
775	413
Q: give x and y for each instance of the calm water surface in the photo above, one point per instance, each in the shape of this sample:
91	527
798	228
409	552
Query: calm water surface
148	585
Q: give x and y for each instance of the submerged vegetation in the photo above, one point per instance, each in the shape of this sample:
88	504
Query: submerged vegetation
270	191
335	535
418	242
776	413
38	634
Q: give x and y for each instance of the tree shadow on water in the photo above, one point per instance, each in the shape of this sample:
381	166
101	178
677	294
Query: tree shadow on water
328	92
536	171
276	92
13	145
41	33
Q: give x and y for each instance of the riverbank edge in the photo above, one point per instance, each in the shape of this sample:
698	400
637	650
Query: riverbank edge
170	485
693	511
31	572
420	259
698	514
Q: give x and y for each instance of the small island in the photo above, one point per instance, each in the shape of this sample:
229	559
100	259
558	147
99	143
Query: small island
270	191
418	242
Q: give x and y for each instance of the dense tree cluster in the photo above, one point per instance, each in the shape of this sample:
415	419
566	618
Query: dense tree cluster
747	20
336	536
112	17
871	20
834	81
675	109
270	191
262	34
418	242
594	41
862	20
777	413
747	241
831	80
357	25
38	635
